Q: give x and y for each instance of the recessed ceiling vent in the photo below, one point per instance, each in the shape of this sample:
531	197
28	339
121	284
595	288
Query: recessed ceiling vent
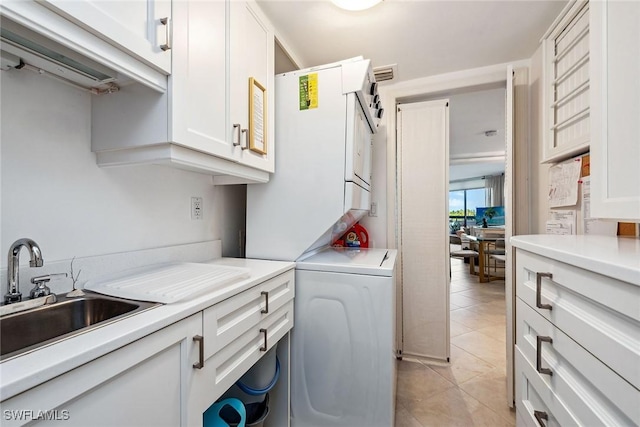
386	72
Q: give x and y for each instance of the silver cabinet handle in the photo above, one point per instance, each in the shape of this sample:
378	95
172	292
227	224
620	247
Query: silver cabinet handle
246	144
167	24
540	415
265	310
237	141
539	368
264	347
200	340
539	303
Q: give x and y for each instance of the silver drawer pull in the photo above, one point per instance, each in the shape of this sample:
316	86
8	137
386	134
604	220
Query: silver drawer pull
246	145
167	24
200	340
539	303
237	142
264	347
265	310
539	368
540	415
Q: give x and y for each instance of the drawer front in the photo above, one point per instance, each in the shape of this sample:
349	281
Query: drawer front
600	313
587	388
227	320
532	398
225	367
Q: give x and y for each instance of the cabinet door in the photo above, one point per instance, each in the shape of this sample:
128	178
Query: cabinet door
141	384
615	146
142	28
199	83
225	367
566	85
252	53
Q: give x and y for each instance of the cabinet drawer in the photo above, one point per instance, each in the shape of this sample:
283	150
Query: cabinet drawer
529	399
586	387
225	367
600	313
226	321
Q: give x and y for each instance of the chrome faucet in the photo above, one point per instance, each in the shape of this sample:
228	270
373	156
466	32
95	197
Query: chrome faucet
13	284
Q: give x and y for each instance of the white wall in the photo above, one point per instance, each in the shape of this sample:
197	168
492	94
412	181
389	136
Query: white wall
53	192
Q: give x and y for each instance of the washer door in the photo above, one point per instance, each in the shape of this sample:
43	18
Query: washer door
342	364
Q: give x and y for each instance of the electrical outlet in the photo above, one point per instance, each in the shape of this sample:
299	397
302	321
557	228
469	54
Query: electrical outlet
196	208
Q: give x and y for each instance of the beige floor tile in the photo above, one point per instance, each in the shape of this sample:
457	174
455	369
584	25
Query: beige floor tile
404	418
474	320
457	289
462	301
478	295
418	382
463	367
482	346
491	389
471	390
454	407
456	328
488	308
497	332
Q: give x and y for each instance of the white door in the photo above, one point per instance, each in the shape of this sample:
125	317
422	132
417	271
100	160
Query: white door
423	144
199	80
358	143
251	56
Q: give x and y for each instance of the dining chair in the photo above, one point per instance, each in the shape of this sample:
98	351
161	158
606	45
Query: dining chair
465	253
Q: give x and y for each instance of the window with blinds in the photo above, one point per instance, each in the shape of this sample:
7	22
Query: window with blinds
568	85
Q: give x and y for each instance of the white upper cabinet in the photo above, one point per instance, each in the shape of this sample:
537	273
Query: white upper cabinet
203	121
143	28
566	85
615	98
252	57
124	36
198	86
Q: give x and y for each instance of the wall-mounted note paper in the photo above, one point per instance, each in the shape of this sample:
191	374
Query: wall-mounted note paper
563	183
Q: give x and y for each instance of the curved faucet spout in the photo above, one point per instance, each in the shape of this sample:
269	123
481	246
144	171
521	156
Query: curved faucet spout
13	265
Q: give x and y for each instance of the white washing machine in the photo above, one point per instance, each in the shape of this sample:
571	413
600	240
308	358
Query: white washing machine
343	368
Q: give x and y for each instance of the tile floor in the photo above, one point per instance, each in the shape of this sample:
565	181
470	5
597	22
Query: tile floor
471	390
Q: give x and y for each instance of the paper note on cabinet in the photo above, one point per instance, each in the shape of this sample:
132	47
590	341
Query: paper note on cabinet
561	222
563	183
594	225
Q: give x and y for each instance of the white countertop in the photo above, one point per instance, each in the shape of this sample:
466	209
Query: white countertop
26	371
616	257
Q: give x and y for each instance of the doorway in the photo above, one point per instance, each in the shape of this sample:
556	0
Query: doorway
516	169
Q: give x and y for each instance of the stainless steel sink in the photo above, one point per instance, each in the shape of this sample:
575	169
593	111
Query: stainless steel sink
28	330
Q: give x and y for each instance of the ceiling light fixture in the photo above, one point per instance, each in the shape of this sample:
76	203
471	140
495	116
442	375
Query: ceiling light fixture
355	4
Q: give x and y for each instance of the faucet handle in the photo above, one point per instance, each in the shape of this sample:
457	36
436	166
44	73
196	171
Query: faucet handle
47	277
41	289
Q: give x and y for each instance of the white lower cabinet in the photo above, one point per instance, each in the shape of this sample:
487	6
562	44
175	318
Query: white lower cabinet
171	377
141	384
236	334
577	358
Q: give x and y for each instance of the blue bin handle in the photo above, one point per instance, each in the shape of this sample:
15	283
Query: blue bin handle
212	418
256	392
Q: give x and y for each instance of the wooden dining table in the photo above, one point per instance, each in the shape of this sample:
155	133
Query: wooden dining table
481	242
